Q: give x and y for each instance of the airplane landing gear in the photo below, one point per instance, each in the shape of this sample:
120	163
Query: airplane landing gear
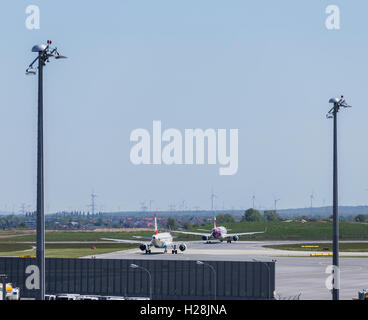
148	251
174	250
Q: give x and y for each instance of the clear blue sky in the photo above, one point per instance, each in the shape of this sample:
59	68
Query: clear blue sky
267	68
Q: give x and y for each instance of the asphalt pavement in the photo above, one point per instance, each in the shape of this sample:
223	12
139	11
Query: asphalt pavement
297	273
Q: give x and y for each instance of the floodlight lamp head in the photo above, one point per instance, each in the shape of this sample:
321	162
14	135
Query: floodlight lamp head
334	100
199	262
134	266
30	72
340	102
39	48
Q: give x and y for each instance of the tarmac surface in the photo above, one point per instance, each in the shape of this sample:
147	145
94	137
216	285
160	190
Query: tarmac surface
297	274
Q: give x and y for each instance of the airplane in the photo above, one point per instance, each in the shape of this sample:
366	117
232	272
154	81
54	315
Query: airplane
218	233
161	240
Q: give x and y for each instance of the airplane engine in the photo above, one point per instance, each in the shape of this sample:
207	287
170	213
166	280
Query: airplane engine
143	246
183	247
235	238
205	238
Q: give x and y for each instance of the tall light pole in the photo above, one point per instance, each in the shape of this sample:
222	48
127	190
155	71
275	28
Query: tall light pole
337	104
214	275
45	52
134	266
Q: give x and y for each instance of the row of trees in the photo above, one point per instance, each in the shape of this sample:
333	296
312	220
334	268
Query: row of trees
361	218
12	221
253	215
250	215
172	224
271	215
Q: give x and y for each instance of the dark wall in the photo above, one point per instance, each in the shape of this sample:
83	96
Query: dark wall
171	279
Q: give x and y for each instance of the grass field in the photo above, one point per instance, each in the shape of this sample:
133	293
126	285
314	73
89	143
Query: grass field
294	230
274	231
323	247
77	236
16	246
62	250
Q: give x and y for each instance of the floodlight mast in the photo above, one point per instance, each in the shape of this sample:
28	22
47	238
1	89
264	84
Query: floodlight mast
44	53
337	104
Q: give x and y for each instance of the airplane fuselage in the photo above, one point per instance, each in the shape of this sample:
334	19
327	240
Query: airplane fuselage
218	233
161	240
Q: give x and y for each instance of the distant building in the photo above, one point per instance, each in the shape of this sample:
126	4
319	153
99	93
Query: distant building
31	224
73	224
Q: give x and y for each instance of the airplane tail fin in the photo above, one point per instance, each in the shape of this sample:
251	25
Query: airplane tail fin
156	230
214	220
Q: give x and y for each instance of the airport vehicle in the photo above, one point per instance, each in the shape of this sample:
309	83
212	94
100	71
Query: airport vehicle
137	298
11	293
363	295
218	233
67	297
163	240
87	298
110	298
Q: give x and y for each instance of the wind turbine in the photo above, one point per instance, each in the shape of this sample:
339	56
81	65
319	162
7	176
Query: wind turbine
150	205
213	197
143	206
311	200
276	200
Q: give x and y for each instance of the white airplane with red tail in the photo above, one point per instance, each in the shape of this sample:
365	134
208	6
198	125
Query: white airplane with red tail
160	240
218	233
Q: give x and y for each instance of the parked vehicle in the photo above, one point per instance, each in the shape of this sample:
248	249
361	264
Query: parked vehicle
11	293
67	297
87	298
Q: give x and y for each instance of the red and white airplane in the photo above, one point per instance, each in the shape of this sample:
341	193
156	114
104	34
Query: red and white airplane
218	233
161	240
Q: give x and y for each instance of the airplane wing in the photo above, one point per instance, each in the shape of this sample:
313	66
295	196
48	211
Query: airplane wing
230	235
141	237
193	233
122	240
209	231
245	233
